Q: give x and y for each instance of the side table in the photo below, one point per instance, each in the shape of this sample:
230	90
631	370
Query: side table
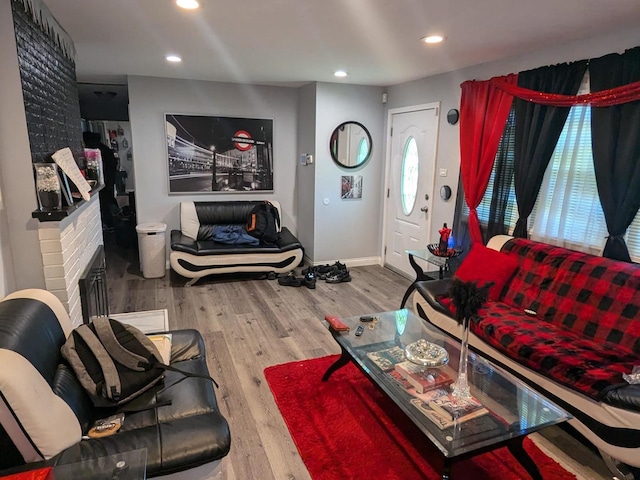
443	264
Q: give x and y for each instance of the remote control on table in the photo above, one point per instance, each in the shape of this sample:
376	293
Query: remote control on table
359	330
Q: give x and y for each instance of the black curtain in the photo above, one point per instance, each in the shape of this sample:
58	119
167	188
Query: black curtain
501	208
615	138
538	128
460	228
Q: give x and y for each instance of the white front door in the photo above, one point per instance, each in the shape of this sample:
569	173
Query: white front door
410	184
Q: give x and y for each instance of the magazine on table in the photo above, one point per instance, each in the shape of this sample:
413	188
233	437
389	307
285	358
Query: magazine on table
436	417
387	358
458	408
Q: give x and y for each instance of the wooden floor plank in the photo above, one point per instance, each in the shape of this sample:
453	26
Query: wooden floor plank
251	324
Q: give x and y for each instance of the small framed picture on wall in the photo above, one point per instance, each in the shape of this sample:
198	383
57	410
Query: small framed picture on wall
351	187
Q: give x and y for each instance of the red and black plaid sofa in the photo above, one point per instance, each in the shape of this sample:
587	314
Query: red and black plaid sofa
581	334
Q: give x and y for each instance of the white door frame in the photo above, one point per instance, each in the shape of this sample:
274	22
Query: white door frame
387	166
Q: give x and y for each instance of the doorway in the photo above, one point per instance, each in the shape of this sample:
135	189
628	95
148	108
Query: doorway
105	113
411	162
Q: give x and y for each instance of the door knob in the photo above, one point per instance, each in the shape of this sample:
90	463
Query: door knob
424	209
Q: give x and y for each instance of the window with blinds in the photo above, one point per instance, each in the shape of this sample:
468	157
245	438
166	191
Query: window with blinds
567	211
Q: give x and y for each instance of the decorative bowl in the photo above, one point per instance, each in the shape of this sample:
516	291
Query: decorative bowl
426	354
451	252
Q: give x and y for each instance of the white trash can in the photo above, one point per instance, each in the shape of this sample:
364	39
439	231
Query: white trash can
152	245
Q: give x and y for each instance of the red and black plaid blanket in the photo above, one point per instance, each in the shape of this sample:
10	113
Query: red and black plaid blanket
586	331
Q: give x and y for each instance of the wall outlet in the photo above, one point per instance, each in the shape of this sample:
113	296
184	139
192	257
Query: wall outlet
443	172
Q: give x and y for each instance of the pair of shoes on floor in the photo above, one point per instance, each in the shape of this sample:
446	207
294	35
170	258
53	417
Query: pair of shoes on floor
339	277
309	280
326	271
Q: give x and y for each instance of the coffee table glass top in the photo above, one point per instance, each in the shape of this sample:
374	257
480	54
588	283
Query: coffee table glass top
513	408
129	465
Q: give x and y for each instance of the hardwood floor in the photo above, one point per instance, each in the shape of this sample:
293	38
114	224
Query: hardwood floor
250	324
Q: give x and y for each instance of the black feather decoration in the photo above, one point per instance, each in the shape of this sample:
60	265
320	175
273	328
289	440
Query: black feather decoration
467	297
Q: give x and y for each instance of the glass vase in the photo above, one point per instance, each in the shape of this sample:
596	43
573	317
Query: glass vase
48	186
460	388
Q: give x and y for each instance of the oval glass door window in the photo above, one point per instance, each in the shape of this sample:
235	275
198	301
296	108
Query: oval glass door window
363	151
409	178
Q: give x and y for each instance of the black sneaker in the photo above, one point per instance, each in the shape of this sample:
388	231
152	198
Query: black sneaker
332	270
310	280
324	271
342	276
341	267
290	280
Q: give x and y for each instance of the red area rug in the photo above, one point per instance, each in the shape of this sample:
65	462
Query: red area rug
347	429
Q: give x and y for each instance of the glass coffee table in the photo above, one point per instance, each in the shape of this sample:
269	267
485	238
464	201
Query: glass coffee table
513	410
444	265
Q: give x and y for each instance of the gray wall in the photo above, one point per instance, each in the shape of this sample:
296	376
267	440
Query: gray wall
446	89
303	121
306	175
348	229
150	98
20	260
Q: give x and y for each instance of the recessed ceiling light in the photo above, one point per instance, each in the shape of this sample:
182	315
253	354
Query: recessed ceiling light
173	58
188	4
433	39
340	73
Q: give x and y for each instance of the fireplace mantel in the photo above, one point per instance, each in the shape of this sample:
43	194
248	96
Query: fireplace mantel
64	212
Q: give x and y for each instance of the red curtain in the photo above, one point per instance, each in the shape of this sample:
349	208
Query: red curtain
484	109
605	98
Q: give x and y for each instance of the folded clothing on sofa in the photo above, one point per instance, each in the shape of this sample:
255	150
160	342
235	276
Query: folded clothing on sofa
232	235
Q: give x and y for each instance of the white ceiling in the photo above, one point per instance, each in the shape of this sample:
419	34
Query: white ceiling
291	42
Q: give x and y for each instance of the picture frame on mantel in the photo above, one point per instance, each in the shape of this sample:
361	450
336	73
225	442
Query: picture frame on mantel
214	154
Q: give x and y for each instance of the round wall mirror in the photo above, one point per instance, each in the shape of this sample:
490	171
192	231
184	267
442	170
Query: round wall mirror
350	144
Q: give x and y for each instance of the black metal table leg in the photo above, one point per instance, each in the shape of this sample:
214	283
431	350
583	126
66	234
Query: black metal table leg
338	364
411	288
420	276
520	454
446	470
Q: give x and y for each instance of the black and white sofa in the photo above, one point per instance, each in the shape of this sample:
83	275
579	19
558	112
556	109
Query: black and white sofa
565	322
44	411
195	255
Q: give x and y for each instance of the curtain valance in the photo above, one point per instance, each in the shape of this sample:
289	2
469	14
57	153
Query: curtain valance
605	98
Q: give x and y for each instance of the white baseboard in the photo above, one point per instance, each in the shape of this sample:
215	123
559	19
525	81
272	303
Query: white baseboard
349	262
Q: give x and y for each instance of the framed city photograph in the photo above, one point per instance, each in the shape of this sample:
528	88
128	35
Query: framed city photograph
208	154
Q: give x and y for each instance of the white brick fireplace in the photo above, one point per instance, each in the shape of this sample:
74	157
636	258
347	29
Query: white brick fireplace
67	247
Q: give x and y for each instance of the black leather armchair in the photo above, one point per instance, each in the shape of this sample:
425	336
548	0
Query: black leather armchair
44	411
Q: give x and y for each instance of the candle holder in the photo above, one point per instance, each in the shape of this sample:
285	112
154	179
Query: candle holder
48	186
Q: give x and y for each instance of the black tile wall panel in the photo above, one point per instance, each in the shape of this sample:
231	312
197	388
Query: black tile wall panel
49	89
